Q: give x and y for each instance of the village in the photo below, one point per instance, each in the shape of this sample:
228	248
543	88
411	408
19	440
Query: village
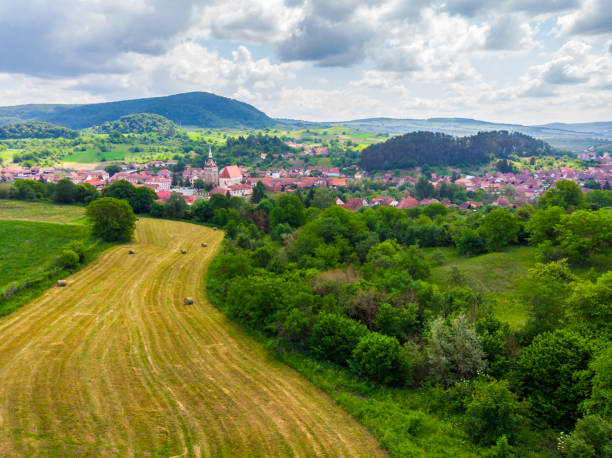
508	189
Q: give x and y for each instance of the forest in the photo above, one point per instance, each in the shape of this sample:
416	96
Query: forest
435	149
139	123
35	129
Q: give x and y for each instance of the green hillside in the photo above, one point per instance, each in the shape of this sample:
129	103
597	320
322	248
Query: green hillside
189	109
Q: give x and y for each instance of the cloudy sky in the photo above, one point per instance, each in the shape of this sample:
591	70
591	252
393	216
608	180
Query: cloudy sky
523	61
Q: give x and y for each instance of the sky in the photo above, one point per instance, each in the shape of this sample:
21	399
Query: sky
518	61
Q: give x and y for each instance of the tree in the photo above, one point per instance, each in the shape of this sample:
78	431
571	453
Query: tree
584	233
600	401
112	169
288	209
120	189
599	198
590	304
494	411
552	374
85	193
423	189
112	219
142	199
378	357
175	206
499	229
545	289
65	191
198	184
454	350
564	193
334	337
592	437
259	192
541	225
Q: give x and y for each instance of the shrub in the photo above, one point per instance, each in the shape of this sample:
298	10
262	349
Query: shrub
592	437
68	259
492	412
334	337
378	357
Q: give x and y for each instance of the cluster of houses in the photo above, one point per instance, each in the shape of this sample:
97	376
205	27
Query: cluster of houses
523	187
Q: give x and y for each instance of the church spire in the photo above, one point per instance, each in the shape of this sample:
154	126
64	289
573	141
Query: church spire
209	152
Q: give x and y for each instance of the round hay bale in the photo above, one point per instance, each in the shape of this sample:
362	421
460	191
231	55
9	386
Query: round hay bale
188	301
183	251
137	219
214	228
204	245
62	283
131	252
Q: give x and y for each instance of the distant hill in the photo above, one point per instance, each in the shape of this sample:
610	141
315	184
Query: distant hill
139	123
35	129
200	109
428	148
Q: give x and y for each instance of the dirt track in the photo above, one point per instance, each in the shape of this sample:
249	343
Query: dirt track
116	365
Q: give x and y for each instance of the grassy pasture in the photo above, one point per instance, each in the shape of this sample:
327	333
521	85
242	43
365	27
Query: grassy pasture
492	274
27	246
41	211
116	365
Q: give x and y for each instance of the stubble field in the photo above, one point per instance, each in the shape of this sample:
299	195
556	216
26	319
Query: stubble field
116	365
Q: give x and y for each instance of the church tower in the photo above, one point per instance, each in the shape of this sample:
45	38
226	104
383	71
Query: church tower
211	171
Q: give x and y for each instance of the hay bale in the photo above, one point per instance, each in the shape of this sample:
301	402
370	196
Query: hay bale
137	219
214	228
62	283
188	301
204	245
131	252
183	251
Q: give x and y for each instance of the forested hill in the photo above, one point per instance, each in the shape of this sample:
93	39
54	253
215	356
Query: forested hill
429	148
35	129
139	123
200	109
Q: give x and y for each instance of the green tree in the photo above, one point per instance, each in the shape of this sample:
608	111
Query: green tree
564	193
599	198
499	229
542	224
590	304
85	193
423	189
112	169
112	219
120	189
334	337
65	192
592	437
142	199
378	357
494	411
175	206
583	233
289	209
259	192
600	401
552	374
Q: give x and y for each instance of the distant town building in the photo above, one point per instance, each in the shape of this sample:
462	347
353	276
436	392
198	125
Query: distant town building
211	171
229	176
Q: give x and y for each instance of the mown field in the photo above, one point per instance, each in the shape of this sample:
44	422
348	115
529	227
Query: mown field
116	365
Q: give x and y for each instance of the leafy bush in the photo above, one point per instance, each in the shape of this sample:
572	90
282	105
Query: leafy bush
112	219
492	412
334	337
378	357
68	259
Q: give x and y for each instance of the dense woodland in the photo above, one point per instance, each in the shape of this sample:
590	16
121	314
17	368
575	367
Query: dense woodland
35	129
139	123
434	149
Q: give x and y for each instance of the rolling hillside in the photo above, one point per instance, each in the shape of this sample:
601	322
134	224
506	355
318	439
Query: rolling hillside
116	365
200	109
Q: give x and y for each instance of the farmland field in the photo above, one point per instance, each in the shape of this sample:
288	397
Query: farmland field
40	211
115	364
